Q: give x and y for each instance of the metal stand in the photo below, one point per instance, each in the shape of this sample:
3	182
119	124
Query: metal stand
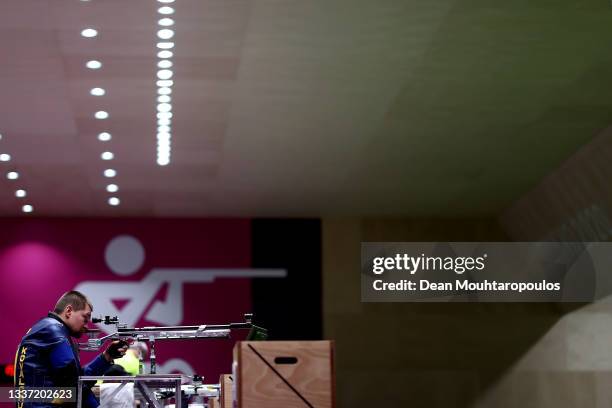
145	384
152	357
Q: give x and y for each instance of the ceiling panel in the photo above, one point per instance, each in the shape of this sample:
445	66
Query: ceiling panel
300	108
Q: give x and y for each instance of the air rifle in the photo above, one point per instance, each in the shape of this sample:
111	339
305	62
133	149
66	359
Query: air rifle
151	334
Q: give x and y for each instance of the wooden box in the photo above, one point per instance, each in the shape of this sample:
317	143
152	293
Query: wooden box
284	374
226	382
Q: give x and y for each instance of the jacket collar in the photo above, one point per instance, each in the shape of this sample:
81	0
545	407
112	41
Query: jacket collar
59	319
74	347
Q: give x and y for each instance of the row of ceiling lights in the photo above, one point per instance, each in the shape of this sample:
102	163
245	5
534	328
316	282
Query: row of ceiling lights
164	83
14	175
164	91
107	155
164	105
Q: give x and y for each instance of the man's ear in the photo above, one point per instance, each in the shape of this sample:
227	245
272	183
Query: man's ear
68	311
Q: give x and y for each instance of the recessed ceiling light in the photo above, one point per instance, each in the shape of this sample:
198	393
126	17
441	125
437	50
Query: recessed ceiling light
89	32
164	74
164	99
20	193
101	115
163	128
166	1
164	64
164	121
93	64
165	54
107	156
97	91
112	188
165	34
164	115
164	90
164	107
0	136
165	10
27	208
114	201
104	137
12	175
165	83
110	173
5	157
166	22
165	45
163	162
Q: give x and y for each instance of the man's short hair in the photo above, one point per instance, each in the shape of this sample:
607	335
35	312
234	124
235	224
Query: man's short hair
74	298
140	347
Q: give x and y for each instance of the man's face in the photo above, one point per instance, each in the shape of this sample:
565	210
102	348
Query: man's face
77	319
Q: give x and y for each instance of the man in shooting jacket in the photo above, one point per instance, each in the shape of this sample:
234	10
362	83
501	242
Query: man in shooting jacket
48	356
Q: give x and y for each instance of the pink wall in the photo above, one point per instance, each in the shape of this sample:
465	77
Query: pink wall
41	259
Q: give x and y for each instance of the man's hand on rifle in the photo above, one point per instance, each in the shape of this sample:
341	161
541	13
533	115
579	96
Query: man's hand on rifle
116	349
